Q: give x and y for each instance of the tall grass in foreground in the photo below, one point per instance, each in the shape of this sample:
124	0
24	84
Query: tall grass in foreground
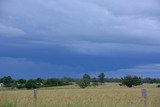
103	96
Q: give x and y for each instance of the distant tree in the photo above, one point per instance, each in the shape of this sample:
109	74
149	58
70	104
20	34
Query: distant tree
151	80
21	83
1	80
68	80
7	81
94	81
54	82
85	81
101	78
137	80
82	83
31	84
40	82
130	81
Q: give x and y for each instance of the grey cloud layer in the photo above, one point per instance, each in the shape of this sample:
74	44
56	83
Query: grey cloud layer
149	70
85	26
20	67
10	31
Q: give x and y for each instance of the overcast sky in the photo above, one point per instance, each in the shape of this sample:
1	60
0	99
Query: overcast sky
56	38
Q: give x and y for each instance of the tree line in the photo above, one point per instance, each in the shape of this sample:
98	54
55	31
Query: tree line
128	80
83	82
8	81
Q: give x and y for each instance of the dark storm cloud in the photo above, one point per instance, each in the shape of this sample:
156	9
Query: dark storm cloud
80	27
106	21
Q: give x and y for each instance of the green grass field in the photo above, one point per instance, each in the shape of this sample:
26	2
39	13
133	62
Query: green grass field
108	95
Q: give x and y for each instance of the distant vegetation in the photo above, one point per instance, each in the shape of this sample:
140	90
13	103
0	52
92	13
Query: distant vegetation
158	86
84	82
130	81
8	81
87	80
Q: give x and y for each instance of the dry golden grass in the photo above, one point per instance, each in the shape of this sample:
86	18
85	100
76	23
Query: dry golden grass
109	95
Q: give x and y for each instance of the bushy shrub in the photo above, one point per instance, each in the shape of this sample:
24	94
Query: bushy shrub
7	81
54	82
101	78
21	83
94	81
85	81
82	84
31	84
130	81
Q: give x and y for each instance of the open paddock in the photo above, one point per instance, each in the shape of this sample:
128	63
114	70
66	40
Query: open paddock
108	95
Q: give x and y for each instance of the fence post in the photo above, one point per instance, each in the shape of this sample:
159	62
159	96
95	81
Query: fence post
144	96
35	92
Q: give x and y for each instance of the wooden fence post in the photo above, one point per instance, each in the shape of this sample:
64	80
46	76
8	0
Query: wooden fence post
144	96
35	92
